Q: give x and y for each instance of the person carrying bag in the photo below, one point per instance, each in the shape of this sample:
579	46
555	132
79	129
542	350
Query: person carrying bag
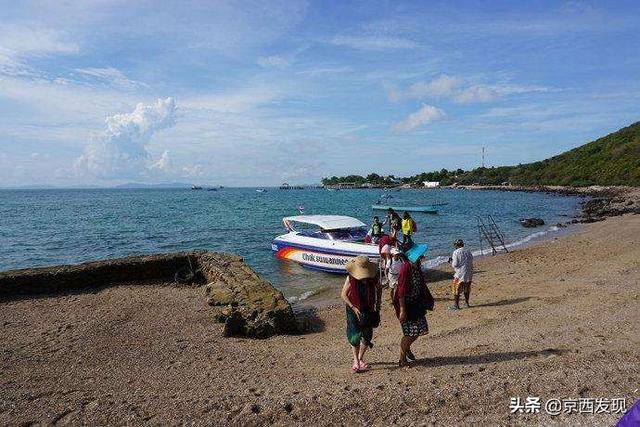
361	293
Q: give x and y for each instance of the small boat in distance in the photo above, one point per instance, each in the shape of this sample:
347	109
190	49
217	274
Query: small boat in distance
328	245
423	209
195	187
261	190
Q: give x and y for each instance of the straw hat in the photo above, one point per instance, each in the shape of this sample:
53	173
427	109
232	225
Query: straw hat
361	268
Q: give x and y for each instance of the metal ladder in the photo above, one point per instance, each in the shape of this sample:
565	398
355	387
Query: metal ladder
489	231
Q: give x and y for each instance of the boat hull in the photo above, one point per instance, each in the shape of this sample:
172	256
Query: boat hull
329	260
423	209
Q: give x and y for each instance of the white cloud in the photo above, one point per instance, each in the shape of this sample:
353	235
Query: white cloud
476	93
237	102
374	42
441	86
19	43
453	88
487	93
274	61
63	101
193	171
34	41
120	151
110	75
426	114
163	164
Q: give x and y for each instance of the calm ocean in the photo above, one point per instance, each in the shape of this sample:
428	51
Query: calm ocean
49	227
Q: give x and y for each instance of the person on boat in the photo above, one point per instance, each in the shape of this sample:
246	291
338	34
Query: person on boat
408	228
394	221
462	262
411	301
376	230
362	294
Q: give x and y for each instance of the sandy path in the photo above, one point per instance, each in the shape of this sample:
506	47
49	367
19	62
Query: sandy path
556	320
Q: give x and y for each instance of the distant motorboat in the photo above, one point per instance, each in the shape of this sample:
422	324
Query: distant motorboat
261	190
195	187
423	209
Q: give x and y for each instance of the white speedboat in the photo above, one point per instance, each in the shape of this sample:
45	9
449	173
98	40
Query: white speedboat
326	244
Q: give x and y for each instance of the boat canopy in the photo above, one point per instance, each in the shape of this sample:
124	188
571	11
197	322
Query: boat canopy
326	222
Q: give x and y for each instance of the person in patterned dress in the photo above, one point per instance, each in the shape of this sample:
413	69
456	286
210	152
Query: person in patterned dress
411	308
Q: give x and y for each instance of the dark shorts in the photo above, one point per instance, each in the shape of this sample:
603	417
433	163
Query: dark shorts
415	328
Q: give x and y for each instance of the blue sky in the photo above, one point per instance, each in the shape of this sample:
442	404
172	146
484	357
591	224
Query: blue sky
261	92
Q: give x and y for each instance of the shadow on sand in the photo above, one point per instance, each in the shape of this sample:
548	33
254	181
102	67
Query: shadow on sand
476	359
503	302
307	319
438	275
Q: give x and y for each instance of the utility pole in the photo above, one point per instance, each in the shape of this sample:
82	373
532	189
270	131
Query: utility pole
483	156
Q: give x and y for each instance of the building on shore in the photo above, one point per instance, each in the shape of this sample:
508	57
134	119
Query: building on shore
431	184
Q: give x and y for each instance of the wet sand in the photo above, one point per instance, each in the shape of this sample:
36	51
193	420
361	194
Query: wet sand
556	320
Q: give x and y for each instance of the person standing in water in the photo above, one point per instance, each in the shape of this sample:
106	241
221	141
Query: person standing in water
362	294
462	262
408	228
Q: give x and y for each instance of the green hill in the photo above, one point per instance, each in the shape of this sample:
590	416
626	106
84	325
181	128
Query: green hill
611	160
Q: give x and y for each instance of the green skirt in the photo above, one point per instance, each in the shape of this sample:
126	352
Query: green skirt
355	333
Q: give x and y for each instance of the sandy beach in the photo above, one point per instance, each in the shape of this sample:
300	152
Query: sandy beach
556	320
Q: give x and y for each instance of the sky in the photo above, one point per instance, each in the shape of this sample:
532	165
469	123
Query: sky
256	93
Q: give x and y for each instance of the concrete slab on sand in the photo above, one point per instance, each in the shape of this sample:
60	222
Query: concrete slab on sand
558	320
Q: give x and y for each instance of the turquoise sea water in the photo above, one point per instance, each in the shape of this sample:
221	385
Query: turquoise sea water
49	227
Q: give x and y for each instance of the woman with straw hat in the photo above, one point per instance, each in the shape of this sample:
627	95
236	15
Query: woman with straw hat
361	293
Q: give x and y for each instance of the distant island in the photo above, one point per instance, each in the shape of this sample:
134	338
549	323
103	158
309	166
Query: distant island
611	160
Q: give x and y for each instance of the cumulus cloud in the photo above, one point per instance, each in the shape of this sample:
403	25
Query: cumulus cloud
120	151
426	114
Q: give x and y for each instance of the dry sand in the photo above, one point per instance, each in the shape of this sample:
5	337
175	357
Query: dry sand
556	320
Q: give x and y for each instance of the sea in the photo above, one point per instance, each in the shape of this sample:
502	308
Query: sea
51	227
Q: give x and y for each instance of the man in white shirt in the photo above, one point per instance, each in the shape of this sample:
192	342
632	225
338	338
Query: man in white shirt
462	262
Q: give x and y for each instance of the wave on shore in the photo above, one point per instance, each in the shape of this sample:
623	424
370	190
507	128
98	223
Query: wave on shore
538	235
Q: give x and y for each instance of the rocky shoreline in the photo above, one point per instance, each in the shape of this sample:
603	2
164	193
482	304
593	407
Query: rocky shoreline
603	202
247	304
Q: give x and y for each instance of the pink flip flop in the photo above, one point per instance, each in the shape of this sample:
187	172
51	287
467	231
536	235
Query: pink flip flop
364	366
355	368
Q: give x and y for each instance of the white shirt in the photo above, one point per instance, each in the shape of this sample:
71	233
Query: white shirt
462	263
394	272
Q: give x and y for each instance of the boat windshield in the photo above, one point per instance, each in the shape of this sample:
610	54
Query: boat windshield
351	234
